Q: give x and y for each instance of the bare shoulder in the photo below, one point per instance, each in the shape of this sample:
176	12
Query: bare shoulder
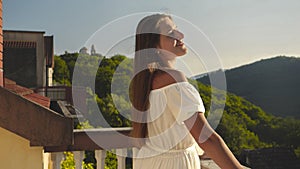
166	77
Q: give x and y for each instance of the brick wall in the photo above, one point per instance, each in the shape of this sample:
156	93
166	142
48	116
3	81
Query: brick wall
1	47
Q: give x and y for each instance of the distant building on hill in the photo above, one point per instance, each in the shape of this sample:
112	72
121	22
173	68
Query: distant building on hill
83	50
93	52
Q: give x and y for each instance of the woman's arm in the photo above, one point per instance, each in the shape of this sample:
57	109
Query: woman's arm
211	142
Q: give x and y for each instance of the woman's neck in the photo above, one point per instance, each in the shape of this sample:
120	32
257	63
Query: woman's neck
170	63
168	60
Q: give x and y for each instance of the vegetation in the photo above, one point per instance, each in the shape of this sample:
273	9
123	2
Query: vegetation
243	125
69	163
272	84
246	126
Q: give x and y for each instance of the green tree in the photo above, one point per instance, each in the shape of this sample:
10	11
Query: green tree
61	73
70	59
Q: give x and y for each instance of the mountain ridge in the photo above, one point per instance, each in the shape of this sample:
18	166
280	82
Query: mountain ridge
269	83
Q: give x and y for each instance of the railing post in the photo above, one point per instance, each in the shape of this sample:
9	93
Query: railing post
134	155
46	160
78	157
56	159
100	157
121	157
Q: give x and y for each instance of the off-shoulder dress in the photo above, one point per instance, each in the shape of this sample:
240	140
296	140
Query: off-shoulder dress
169	144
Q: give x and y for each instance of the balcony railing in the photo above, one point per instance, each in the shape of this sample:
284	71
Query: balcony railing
56	93
86	140
110	138
62	93
100	155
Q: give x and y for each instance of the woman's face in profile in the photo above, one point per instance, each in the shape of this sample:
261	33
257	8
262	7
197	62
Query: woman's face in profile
171	38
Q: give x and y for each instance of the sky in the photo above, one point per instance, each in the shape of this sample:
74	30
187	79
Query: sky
219	33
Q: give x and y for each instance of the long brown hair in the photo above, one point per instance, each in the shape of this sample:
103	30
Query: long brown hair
146	61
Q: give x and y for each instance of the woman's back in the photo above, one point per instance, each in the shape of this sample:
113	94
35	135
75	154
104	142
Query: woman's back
167	134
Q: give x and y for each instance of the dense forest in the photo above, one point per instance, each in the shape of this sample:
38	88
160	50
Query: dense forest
272	84
243	125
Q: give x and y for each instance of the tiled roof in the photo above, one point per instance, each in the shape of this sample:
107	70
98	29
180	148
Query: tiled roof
44	101
26	93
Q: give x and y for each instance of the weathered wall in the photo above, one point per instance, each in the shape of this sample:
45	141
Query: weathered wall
39	58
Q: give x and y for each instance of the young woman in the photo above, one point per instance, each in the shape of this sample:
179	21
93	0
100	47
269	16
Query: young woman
168	120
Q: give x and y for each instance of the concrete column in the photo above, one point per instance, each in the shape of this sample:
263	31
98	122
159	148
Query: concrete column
100	157
78	157
121	157
46	160
57	158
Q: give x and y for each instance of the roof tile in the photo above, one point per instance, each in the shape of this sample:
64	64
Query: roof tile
26	93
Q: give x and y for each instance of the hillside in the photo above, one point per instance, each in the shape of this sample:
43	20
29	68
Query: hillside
246	126
272	84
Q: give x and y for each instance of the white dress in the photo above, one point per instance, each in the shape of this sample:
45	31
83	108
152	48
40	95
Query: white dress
170	145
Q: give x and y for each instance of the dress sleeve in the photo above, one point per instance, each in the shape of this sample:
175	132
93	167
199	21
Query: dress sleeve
184	101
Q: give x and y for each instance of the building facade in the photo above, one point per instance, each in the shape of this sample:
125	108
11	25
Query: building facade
26	122
28	57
